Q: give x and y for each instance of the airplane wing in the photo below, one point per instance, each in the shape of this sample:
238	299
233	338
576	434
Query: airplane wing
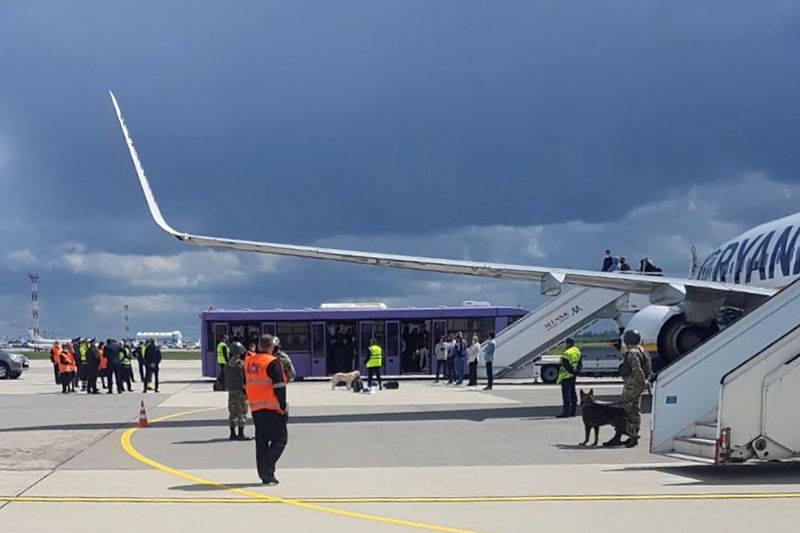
662	290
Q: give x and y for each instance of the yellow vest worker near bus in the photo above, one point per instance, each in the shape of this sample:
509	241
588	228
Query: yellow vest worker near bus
222	360
570	366
374	363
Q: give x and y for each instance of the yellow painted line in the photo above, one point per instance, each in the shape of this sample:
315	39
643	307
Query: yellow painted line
120	499
563	498
125	442
412	499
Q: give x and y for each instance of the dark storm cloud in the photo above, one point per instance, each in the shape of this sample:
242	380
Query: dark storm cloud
307	121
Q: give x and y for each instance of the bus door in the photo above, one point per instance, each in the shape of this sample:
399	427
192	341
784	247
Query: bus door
318	345
365	331
439	331
391	357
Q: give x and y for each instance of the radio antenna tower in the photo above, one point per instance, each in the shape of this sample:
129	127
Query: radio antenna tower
35	333
127	322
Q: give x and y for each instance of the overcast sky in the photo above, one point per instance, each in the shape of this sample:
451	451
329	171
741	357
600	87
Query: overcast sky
526	131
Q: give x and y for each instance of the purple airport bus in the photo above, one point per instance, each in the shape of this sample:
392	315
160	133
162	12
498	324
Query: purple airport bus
335	337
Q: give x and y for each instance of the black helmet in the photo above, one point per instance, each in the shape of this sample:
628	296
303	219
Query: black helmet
236	349
631	337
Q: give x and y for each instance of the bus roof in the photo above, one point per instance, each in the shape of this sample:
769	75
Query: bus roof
363	314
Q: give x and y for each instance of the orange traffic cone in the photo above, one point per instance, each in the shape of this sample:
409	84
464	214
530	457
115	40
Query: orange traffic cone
143	423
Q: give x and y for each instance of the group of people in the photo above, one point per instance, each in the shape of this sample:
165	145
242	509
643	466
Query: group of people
453	353
612	263
255	378
80	362
636	370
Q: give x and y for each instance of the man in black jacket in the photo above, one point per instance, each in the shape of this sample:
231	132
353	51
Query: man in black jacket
92	368
152	359
112	355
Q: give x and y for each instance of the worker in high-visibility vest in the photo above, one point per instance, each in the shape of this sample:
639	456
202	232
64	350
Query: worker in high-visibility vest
374	363
83	349
64	369
570	365
55	354
73	366
103	364
265	384
222	360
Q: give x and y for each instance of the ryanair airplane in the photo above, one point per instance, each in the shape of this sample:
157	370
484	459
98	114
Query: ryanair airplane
735	278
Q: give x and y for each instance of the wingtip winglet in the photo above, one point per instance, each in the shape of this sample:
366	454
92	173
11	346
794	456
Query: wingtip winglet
155	211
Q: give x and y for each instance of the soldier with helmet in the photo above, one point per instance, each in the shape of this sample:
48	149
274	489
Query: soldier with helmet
283	357
635	371
234	382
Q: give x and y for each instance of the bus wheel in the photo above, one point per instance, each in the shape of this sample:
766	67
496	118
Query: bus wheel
549	373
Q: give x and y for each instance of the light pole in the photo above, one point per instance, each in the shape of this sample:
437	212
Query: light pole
35	333
127	322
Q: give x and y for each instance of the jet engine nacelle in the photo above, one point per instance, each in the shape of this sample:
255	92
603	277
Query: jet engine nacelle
666	331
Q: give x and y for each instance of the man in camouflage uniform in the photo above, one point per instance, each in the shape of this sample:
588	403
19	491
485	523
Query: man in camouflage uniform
283	357
234	383
635	371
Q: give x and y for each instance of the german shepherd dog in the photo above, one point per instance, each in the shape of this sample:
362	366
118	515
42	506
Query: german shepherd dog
602	414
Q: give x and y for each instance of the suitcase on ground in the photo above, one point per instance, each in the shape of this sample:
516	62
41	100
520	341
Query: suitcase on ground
392	385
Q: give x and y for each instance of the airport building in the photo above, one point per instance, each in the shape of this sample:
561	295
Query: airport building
173	339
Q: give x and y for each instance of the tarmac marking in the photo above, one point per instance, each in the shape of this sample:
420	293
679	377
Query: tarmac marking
121	499
125	442
407	499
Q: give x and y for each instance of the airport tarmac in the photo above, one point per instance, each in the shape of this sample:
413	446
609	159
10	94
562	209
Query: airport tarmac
426	457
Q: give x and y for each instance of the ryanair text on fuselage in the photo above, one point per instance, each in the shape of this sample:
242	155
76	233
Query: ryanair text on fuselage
761	256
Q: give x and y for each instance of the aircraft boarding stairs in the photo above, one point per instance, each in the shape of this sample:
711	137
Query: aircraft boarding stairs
522	343
735	397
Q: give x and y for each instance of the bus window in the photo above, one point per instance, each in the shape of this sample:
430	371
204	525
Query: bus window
454	325
220	330
237	333
393	339
364	337
294	336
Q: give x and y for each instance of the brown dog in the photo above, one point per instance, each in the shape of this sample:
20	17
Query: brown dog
345	377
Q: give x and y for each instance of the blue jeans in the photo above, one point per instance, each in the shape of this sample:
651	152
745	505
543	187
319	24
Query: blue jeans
459	364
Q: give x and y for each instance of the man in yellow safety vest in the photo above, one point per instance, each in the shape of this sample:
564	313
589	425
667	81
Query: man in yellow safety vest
222	360
570	366
374	363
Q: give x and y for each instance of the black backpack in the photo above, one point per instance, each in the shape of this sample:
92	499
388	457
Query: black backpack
358	385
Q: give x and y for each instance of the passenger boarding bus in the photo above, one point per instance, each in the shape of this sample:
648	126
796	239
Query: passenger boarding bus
335	337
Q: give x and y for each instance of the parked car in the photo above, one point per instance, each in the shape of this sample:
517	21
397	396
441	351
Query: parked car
12	365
